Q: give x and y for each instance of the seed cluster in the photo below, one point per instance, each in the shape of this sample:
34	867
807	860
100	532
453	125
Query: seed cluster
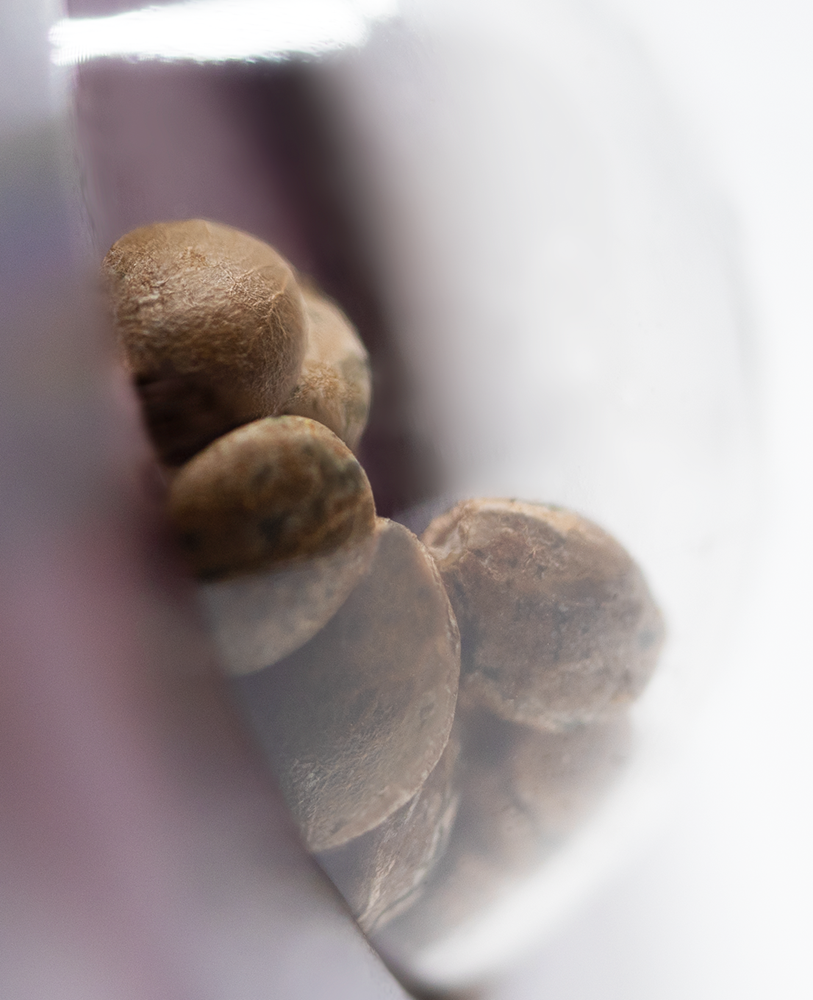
439	713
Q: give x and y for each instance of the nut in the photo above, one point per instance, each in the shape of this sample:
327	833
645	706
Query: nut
212	328
383	872
354	721
557	624
334	386
275	492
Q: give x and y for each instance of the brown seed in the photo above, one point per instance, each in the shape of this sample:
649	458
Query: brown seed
523	792
383	872
334	386
557	624
277	491
261	618
212	328
354	721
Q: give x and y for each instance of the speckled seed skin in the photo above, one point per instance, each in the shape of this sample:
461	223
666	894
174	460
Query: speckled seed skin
383	872
260	618
277	491
354	721
557	624
212	327
523	792
335	384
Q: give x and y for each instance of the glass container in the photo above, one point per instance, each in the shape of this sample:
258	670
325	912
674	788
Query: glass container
500	199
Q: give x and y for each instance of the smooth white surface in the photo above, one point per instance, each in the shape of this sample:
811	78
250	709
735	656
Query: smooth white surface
721	905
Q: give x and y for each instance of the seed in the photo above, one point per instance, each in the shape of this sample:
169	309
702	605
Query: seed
523	792
354	721
212	329
557	624
260	618
271	494
334	386
382	873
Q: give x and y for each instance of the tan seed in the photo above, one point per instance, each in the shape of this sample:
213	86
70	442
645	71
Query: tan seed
260	618
557	624
382	873
354	721
523	792
334	386
277	491
212	328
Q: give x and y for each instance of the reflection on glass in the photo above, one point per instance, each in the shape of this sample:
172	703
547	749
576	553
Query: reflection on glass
219	30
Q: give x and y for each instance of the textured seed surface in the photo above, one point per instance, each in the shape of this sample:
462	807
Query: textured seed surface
523	792
274	492
262	617
557	623
212	327
526	790
383	872
354	721
334	386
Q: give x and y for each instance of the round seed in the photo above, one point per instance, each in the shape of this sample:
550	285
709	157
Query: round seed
334	386
260	618
557	624
212	328
277	491
383	872
354	721
523	792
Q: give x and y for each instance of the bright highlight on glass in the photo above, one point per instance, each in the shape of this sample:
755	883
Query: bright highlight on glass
219	30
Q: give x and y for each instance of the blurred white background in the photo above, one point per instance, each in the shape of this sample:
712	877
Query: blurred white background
720	903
